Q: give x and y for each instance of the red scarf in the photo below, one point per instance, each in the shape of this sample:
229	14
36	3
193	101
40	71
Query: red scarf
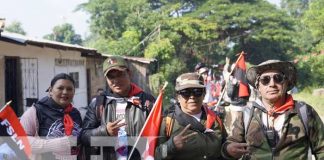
68	121
289	104
211	118
134	90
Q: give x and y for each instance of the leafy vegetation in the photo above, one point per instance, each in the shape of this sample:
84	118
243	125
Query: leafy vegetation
179	34
311	71
15	27
313	20
64	33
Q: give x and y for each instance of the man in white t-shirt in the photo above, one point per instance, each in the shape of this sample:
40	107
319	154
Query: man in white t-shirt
118	113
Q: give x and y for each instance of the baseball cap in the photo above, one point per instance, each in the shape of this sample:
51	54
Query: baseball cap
114	62
189	80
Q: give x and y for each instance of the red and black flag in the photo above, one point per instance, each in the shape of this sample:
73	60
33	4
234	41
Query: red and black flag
151	127
239	74
13	140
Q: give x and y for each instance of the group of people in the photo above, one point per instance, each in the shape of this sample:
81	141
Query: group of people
274	126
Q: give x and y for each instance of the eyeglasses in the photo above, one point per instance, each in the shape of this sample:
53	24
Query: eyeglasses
116	74
186	93
277	78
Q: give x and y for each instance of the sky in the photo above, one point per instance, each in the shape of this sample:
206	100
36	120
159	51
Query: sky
39	17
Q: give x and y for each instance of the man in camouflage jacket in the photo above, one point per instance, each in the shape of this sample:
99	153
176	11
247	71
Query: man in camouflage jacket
191	130
275	127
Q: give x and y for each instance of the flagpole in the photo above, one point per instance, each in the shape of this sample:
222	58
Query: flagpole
223	92
7	104
142	130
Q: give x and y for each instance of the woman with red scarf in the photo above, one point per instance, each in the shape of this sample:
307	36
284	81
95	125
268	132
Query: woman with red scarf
52	123
277	127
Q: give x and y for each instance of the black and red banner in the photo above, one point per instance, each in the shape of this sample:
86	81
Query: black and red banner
239	74
13	140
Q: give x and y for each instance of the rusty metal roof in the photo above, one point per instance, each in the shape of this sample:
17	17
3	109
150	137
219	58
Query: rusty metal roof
21	39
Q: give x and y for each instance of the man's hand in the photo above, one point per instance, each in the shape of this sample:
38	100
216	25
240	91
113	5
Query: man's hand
113	127
237	150
180	139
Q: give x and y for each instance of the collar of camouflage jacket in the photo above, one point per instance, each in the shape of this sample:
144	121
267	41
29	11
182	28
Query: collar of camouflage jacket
289	104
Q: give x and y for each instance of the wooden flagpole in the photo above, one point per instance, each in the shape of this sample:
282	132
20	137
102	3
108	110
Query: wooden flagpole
223	92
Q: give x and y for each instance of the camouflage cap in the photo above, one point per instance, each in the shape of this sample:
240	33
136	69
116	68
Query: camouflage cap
189	80
287	68
114	62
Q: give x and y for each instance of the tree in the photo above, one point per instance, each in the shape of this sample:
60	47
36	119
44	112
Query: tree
314	21
15	27
180	33
254	26
64	33
295	8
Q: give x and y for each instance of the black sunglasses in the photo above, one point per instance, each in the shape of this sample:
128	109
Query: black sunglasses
197	92
277	78
116	74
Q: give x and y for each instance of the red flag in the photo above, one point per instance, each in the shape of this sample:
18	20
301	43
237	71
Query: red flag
152	127
14	142
240	71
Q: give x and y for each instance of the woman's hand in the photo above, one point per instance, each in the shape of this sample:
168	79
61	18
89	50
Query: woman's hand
180	139
113	127
237	150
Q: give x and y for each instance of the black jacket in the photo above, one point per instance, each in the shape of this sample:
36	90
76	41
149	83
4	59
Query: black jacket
96	119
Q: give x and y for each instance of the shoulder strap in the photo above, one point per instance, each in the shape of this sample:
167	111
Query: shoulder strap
247	117
100	104
302	113
38	116
169	125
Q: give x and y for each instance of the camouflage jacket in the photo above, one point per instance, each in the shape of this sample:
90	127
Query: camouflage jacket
203	145
293	143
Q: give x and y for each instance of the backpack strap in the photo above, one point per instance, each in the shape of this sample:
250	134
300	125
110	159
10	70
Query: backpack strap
301	108
100	105
247	117
38	117
169	125
302	113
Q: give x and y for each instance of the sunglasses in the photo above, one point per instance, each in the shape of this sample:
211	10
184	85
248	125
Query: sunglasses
277	78
196	92
116	74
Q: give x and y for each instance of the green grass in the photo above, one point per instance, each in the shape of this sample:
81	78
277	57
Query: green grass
317	102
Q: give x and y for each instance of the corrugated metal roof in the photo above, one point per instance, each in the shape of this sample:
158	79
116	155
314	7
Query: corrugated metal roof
43	42
137	59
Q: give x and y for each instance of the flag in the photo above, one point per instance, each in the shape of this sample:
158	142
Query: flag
239	74
13	141
152	127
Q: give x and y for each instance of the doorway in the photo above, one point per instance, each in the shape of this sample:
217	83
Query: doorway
13	84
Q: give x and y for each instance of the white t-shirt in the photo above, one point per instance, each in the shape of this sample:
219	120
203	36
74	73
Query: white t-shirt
278	122
197	116
122	135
